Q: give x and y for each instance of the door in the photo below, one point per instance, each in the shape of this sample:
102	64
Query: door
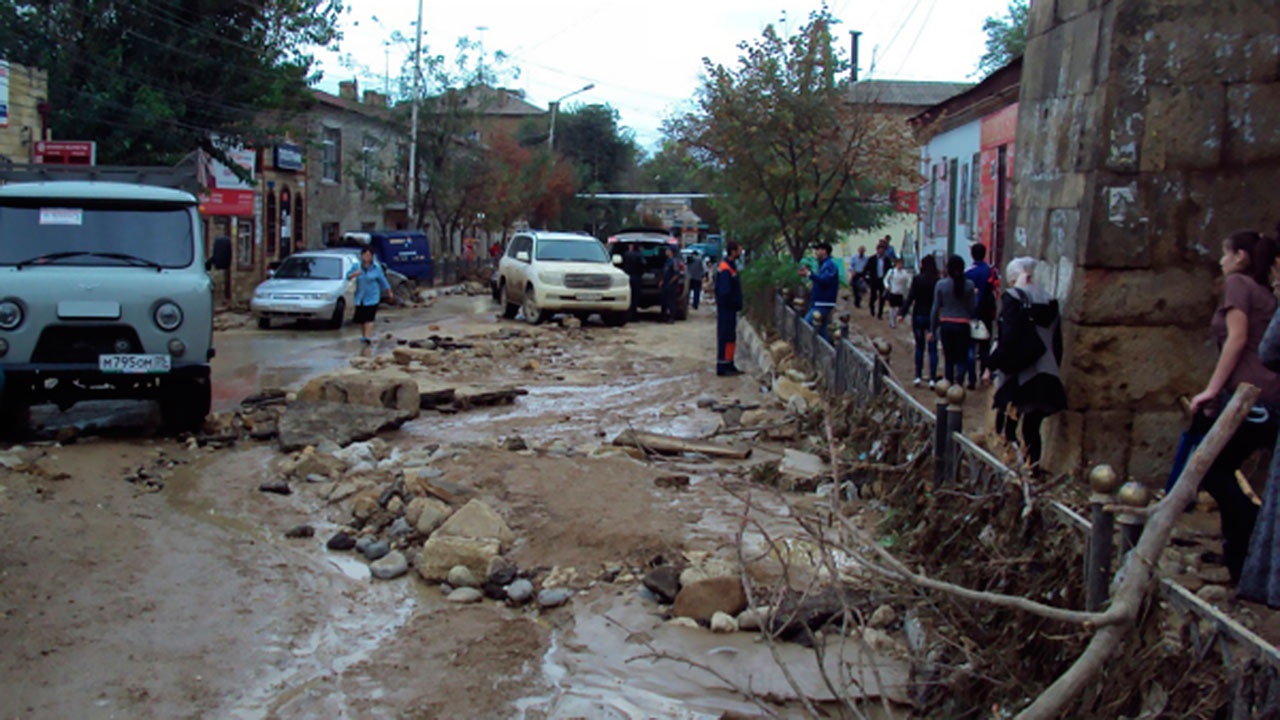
1002	194
952	189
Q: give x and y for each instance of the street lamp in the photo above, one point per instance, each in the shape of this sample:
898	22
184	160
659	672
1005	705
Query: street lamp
555	105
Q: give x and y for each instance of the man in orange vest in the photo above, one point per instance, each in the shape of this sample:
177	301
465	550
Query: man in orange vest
728	303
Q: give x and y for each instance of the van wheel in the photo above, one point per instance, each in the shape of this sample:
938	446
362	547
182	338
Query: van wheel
339	310
404	293
509	309
184	403
533	314
264	323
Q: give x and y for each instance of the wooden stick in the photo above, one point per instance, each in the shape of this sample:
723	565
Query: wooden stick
669	445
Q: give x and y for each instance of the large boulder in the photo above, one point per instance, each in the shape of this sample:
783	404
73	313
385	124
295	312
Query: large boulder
422	356
441	554
311	423
392	391
476	520
702	599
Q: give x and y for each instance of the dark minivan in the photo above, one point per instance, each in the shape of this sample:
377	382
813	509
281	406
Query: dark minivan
408	252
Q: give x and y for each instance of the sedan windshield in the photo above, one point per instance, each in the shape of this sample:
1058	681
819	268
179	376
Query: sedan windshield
572	251
81	232
310	267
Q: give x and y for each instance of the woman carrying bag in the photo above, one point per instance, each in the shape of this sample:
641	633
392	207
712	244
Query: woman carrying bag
1238	326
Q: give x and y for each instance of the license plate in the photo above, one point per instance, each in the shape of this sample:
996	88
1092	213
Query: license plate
134	364
590	296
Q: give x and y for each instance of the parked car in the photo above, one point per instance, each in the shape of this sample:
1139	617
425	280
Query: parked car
543	273
408	252
104	294
710	250
309	285
653	244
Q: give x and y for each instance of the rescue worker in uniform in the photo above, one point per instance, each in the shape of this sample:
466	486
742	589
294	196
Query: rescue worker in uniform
728	303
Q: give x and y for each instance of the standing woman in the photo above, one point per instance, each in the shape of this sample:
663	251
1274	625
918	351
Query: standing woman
954	303
1238	326
919	307
371	285
1025	396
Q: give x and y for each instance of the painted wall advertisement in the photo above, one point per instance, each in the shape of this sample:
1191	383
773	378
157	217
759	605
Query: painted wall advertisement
4	93
225	193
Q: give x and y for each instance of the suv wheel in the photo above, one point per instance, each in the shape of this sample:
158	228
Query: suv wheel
404	293
509	309
532	313
184	403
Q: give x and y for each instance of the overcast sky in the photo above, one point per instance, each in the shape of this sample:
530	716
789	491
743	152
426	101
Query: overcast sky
645	58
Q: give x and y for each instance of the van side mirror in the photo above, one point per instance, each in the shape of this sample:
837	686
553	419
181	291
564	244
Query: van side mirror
220	258
522	256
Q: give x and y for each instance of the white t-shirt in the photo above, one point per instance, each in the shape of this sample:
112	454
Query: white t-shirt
898	282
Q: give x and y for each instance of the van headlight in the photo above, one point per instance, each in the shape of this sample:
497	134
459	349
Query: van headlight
168	316
10	314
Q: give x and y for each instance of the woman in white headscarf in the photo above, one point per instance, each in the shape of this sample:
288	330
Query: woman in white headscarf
1028	383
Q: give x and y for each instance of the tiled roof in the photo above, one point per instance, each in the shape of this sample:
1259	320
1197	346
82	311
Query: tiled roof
904	92
354	106
499	101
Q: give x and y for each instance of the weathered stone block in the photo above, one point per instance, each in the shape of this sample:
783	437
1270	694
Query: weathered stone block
1105	438
1155	439
392	391
1083	35
1220	203
1122	367
1117	225
1205	45
1067	9
1180	296
441	554
1254	135
1184	127
1064	234
1040	18
1062	435
1034	83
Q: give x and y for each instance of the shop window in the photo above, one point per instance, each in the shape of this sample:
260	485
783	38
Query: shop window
286	224
299	238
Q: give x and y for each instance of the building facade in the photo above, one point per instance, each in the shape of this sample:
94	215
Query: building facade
23	90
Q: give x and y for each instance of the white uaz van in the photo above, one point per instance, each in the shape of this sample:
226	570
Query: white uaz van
103	294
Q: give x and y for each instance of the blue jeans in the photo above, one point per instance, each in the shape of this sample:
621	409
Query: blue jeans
920	329
822	325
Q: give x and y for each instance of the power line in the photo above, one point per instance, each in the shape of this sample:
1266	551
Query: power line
924	24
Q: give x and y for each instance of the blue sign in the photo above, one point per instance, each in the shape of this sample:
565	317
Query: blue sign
288	156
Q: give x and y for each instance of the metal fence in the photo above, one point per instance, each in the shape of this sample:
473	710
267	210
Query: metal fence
1253	665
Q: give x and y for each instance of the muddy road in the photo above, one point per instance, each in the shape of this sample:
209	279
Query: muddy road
147	577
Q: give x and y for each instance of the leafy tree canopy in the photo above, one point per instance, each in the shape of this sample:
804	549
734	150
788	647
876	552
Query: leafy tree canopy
1006	37
793	161
590	138
150	80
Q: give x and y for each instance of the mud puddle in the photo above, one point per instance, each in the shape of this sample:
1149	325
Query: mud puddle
620	660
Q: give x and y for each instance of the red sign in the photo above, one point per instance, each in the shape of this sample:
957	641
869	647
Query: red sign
66	152
227	202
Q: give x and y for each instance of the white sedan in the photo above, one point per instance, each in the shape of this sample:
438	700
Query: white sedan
310	285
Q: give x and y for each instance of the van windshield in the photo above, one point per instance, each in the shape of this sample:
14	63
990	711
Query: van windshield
80	232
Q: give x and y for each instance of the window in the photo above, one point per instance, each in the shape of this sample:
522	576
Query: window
964	195
975	186
331	149
330	232
244	244
368	159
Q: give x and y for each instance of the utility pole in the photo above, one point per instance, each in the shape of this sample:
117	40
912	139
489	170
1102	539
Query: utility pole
413	122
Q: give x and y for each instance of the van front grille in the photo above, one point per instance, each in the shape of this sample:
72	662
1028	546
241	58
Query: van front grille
587	282
84	343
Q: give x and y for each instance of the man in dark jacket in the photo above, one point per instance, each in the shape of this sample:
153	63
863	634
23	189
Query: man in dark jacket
826	286
728	303
877	267
696	272
670	284
633	266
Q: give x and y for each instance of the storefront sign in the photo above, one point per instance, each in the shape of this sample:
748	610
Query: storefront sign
288	157
66	152
225	192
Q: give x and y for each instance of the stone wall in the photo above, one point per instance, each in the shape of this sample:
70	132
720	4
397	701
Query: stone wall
28	87
1147	132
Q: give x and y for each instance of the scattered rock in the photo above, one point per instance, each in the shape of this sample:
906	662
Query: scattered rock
683	622
278	487
431	514
441	553
664	582
341	541
422	356
883	617
672	482
392	565
501	571
300	531
395	506
553	597
785	389
376	550
705	568
388	391
723	623
702	599
515	443
519	591
400	528
883	643
752	619
459	576
560	576
308	423
706	403
476	520
465	595
570	322
803	465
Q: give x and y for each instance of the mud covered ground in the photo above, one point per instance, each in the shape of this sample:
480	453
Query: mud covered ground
172	592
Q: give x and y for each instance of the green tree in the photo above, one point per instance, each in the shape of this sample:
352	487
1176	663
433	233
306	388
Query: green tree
1006	37
589	137
794	163
150	80
673	169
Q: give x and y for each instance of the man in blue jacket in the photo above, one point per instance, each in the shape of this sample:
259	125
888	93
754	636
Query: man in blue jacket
728	303
826	286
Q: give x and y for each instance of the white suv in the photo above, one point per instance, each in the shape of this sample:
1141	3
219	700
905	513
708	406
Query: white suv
543	273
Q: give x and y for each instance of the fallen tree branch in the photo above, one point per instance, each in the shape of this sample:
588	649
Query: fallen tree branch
670	445
1136	576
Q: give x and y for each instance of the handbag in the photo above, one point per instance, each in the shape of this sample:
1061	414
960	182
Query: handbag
978	330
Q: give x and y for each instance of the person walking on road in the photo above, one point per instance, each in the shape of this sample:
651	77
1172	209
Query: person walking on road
954	301
876	270
826	288
919	307
896	285
728	304
984	278
371	286
858	266
633	266
668	284
696	272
